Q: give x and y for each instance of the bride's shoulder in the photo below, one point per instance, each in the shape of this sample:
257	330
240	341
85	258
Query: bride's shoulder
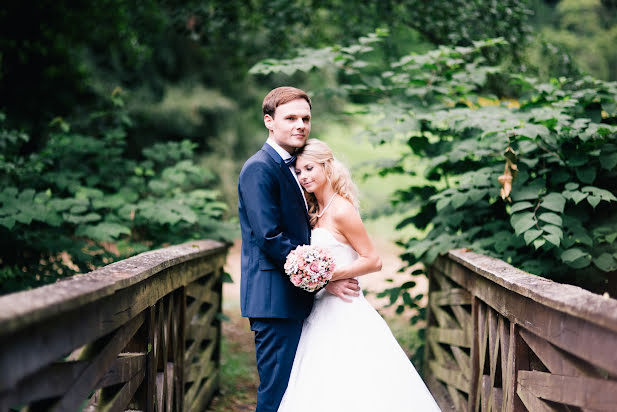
345	212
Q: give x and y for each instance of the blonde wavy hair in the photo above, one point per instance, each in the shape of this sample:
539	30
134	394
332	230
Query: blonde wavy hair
336	173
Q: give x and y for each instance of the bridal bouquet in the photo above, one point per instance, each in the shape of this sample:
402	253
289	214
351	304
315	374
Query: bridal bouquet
309	267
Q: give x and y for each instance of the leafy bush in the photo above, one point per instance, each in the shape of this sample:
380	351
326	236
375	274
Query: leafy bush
530	179
557	217
79	202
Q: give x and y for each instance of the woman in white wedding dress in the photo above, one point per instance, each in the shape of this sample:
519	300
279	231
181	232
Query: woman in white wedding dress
347	359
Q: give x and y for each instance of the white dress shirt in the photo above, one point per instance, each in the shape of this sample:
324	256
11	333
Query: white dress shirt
285	155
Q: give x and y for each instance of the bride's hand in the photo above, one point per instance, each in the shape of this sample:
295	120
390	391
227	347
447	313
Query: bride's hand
344	288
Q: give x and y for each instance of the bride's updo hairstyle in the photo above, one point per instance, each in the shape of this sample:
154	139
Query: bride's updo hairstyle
337	174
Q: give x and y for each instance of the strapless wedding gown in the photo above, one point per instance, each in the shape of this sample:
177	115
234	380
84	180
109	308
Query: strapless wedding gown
347	359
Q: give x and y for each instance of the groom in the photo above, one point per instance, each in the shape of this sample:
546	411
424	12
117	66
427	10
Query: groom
274	221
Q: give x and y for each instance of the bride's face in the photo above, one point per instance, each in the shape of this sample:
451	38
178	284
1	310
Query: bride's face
311	175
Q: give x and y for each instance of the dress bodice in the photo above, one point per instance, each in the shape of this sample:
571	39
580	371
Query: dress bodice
342	253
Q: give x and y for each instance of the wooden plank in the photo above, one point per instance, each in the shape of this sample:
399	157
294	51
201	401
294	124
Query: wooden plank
119	403
557	361
197	324
508	383
151	363
474	354
163	390
164	383
569	299
450	297
584	392
430	319
195	351
485	393
459	400
192	310
451	336
444	282
462	360
441	394
578	336
493	346
18	310
441	355
464	319
54	380
482	344
125	366
443	318
504	340
84	384
179	347
203	292
532	403
206	392
497	399
199	335
449	376
517	360
202	369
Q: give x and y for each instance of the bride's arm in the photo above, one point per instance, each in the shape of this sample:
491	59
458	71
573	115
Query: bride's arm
348	223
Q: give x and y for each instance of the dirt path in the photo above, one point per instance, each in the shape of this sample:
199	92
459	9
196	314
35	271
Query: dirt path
239	379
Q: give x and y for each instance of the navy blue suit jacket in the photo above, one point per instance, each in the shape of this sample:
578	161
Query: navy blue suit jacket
273	221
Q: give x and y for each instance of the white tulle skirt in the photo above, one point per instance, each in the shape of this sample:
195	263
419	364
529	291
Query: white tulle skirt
348	360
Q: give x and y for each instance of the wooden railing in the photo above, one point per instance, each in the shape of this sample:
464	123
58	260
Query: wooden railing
500	339
139	334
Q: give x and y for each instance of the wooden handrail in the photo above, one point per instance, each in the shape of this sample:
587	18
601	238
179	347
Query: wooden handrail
500	339
142	333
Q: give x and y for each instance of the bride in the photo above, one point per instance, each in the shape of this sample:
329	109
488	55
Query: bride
347	358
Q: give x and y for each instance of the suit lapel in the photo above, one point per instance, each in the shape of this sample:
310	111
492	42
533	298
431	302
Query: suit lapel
287	173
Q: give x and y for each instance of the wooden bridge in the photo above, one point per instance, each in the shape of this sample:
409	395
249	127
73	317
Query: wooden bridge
500	339
139	334
143	334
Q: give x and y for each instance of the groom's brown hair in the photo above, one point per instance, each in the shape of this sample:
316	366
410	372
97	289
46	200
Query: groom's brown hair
282	95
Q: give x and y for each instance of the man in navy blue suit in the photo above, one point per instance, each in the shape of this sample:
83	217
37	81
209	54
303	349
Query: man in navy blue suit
274	221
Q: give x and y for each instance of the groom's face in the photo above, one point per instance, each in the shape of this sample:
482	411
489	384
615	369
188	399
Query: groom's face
290	125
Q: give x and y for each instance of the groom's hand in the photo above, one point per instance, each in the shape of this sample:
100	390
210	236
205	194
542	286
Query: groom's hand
344	288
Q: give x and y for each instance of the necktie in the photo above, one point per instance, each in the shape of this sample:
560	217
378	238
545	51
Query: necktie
291	161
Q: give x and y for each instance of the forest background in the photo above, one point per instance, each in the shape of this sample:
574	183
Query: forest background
123	126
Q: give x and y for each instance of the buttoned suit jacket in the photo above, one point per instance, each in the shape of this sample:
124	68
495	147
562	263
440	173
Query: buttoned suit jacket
273	222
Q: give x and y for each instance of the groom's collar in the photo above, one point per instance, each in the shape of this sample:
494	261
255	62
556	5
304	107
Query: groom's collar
282	152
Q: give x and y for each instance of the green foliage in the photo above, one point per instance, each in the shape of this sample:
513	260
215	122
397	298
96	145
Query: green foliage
562	199
461	22
80	202
51	49
574	36
561	217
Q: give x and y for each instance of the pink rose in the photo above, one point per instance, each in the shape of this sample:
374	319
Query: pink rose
314	267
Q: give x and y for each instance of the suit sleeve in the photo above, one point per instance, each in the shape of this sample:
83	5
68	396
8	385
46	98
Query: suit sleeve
259	190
